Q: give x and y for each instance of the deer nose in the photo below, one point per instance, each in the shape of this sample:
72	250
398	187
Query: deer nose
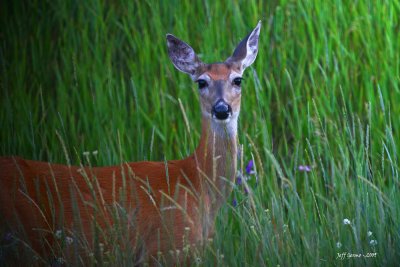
221	110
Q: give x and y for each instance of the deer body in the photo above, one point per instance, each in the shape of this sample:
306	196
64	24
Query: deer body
168	203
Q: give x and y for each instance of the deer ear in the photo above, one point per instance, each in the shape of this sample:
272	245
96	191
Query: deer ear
246	52
182	55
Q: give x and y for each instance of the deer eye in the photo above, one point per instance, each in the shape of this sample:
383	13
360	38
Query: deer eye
237	81
202	83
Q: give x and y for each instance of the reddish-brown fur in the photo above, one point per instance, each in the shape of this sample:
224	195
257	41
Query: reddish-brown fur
167	205
150	195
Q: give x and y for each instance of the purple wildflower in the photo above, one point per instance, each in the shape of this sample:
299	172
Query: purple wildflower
250	167
246	191
304	168
239	180
234	202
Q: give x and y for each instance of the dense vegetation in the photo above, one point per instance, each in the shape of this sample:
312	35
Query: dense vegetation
319	112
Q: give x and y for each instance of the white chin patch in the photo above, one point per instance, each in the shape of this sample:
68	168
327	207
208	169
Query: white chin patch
226	121
223	128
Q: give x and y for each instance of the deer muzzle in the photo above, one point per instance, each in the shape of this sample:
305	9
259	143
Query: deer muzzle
221	110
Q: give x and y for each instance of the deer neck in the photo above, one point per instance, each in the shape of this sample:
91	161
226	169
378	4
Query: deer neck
216	159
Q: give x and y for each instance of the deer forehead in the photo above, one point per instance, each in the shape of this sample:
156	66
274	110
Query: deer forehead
220	71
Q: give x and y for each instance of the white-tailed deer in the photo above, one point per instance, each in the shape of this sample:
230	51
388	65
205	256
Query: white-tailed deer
169	204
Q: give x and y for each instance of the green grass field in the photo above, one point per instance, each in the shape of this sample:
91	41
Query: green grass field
84	76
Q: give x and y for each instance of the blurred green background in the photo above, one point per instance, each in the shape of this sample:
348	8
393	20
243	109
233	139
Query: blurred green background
79	76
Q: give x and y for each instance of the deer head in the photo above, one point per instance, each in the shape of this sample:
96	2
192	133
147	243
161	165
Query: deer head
219	83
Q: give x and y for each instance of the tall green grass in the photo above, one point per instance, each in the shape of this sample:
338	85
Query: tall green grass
323	92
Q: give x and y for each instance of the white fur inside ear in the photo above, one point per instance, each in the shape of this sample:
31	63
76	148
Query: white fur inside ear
251	47
182	55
